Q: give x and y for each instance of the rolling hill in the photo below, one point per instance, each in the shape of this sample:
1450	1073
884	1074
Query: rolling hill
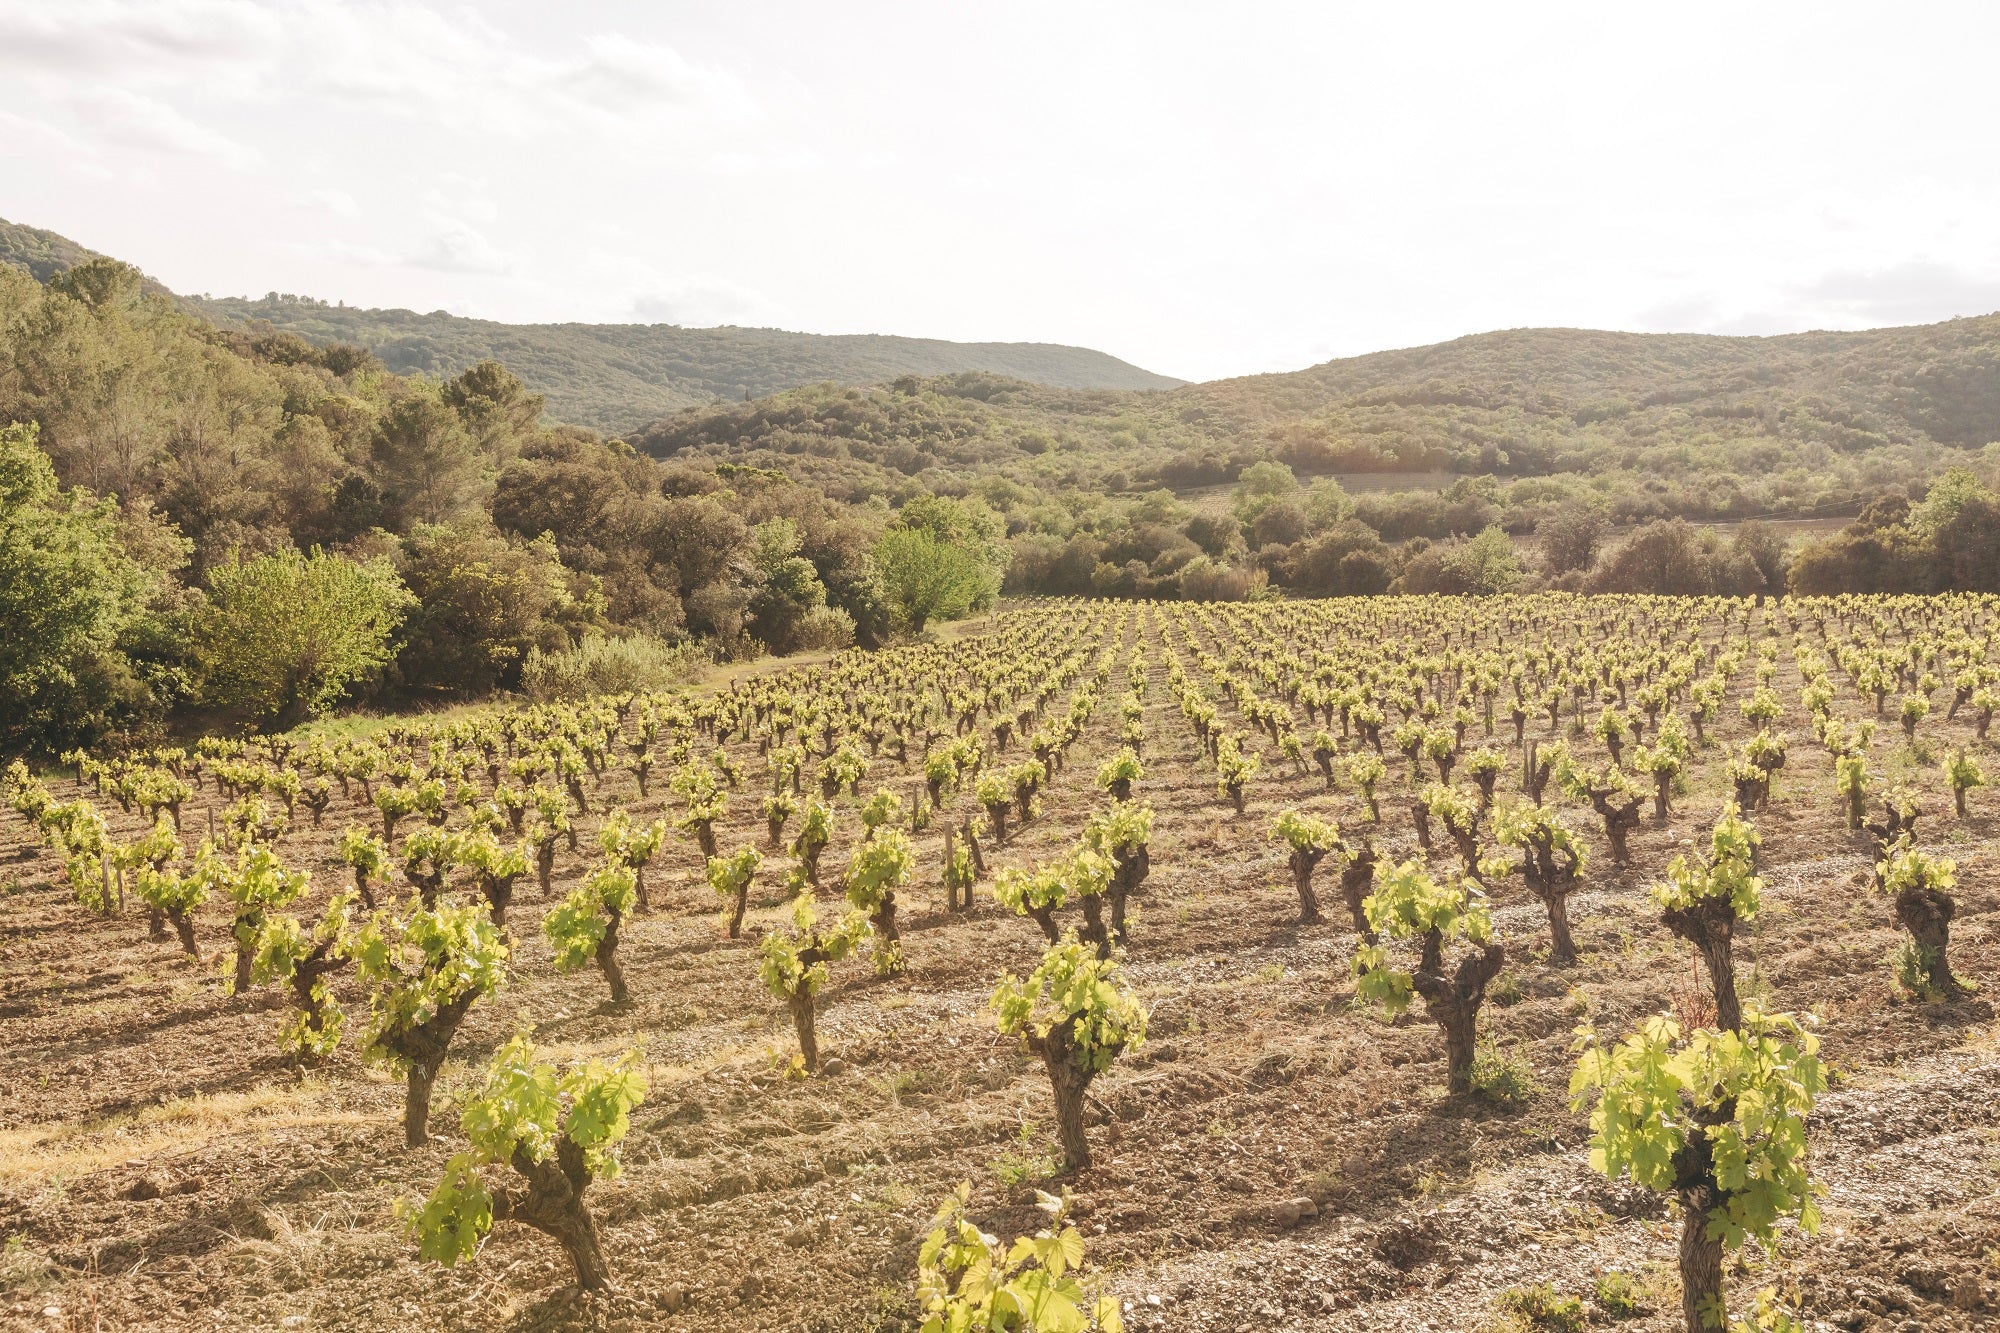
613	377
1704	426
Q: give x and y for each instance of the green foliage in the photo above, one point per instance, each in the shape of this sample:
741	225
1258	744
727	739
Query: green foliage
482	603
525	1108
70	593
601	664
1750	1092
1075	990
1725	871
283	946
1408	904
256	886
287	634
967	1282
795	962
421	963
1543	1309
1124	766
630	845
1506	1079
929	579
1963	773
1078	873
728	875
578	924
1618	1295
609	376
1304	832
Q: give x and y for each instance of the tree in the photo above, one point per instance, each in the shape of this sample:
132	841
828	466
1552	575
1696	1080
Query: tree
790	589
427	970
1568	536
1408	905
927	579
1076	1014
495	408
1673	558
424	461
558	1132
1481	566
68	592
482	603
1717	1119
287	634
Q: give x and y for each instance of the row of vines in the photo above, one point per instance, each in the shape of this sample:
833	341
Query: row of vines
1439	757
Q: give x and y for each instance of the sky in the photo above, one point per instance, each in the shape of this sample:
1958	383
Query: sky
1202	189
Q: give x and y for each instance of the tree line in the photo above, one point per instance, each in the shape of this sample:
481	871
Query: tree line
205	521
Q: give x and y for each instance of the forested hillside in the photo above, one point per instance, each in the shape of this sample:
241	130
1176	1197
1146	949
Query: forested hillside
612	377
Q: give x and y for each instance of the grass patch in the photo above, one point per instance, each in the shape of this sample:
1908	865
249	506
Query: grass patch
1619	1296
1028	1162
1542	1309
1505	1079
39	1153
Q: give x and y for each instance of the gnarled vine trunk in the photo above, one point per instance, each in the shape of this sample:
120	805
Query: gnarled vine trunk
1069	1081
423	1049
607	960
1357	878
1304	861
1134	864
1926	913
1709	925
801	1004
883	919
1452	1002
553	1205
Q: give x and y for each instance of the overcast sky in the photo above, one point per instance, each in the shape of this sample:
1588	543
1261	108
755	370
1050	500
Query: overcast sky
1205	190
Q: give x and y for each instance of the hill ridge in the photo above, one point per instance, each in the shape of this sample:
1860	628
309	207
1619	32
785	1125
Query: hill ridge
616	377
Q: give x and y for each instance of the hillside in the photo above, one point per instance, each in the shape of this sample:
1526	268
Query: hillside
45	253
1713	427
612	377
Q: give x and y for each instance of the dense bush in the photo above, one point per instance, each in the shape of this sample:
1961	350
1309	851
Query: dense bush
601	664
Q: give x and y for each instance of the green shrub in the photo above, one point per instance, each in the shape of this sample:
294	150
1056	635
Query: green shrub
601	665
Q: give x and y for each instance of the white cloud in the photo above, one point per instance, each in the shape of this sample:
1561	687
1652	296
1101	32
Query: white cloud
459	247
132	120
338	202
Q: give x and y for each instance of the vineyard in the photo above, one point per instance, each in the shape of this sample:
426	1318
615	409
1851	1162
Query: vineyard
1394	963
